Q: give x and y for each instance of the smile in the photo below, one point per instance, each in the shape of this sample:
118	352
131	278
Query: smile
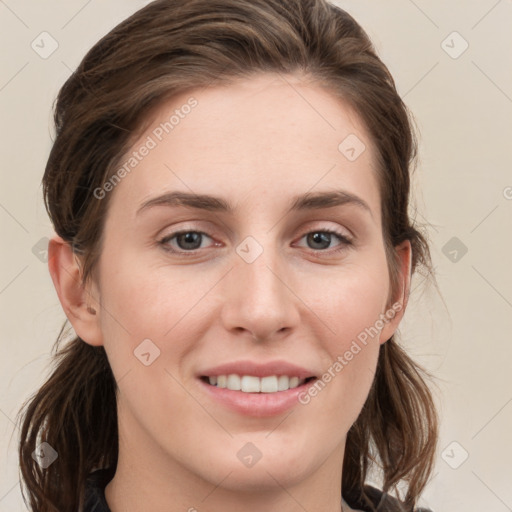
254	401
252	384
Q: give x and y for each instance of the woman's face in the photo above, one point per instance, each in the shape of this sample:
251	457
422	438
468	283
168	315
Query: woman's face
255	285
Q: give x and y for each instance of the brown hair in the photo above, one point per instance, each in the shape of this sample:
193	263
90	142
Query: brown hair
166	48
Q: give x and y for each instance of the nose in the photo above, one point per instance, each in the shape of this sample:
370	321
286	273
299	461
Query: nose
259	298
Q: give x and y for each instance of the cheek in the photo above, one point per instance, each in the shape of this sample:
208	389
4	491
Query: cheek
141	303
150	300
351	299
161	302
349	306
149	326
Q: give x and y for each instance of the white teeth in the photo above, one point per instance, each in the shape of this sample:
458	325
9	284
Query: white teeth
269	384
233	382
283	383
251	384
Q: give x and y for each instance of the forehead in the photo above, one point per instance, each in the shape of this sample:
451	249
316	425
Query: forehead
262	139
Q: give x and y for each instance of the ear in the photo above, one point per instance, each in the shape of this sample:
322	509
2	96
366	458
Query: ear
395	311
80	304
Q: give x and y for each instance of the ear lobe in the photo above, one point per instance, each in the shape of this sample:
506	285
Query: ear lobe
397	310
78	302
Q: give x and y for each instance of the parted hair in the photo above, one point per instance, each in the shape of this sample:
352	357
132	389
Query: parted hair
166	48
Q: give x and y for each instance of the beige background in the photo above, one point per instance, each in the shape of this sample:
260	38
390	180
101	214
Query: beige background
463	108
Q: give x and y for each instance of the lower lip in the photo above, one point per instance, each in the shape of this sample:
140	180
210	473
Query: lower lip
257	404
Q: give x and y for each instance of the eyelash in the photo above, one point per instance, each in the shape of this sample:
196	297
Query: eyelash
345	242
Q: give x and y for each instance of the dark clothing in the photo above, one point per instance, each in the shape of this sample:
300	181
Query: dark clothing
95	490
97	481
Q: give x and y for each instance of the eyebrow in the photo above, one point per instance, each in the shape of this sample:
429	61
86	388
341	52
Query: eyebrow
307	201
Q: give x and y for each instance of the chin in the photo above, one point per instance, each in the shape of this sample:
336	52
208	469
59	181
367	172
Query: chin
263	478
272	464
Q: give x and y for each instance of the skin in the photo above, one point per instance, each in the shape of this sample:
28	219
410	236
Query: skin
256	143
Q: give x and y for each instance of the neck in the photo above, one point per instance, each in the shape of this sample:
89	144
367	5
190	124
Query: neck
148	479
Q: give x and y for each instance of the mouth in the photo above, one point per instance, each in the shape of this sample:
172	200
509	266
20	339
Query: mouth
255	397
253	384
256	389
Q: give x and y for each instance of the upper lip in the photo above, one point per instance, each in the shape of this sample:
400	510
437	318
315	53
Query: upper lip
259	369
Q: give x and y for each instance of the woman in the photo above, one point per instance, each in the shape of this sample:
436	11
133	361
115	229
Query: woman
229	187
